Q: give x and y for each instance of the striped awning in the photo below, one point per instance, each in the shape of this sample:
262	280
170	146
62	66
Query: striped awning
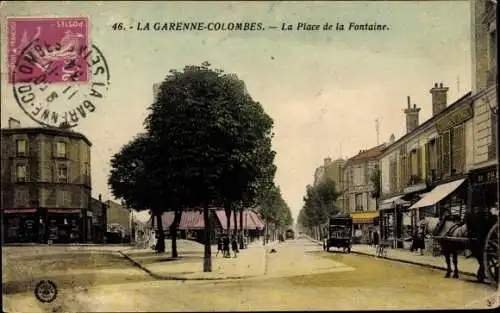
189	220
250	220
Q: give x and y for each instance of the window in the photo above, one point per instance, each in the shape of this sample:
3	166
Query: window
393	180
21	198
63	198
358	202
21	173
414	164
21	147
62	174
61	149
458	154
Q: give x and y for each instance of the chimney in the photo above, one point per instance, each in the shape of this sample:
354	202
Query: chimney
327	161
13	123
411	116
439	99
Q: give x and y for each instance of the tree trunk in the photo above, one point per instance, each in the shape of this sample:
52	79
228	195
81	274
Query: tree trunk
228	219
235	220
160	244
173	230
207	259
241	230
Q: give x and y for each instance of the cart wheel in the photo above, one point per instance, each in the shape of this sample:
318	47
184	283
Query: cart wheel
490	256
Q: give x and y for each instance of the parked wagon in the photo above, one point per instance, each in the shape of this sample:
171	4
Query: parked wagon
339	233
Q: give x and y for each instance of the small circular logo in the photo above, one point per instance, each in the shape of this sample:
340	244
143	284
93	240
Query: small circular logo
46	291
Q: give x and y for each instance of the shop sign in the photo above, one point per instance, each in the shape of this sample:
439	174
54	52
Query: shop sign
454	118
487	177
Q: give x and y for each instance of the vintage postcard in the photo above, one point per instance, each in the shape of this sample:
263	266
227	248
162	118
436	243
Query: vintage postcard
249	156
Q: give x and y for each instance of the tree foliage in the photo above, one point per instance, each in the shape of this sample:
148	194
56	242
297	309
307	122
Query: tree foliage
214	139
375	180
319	204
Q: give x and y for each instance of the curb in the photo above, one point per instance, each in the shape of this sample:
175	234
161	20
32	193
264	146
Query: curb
412	262
403	261
180	278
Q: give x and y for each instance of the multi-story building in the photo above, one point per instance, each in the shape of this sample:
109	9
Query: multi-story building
46	185
483	175
423	172
332	170
118	219
358	191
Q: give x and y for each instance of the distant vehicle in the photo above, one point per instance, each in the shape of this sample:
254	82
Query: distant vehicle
339	233
290	234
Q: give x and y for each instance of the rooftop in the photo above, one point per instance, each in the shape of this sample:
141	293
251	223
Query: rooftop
46	131
371	153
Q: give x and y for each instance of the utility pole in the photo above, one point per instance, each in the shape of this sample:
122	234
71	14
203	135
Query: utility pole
377	129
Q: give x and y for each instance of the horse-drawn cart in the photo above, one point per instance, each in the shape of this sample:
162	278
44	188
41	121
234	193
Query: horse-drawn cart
339	233
486	246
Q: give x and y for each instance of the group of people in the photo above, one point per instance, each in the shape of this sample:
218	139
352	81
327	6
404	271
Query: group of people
223	243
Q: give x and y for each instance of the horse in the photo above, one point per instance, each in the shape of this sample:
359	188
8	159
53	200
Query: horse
475	229
447	228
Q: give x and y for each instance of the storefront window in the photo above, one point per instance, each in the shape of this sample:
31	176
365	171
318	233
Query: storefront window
63	228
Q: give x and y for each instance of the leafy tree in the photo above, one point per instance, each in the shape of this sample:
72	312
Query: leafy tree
209	133
319	205
375	180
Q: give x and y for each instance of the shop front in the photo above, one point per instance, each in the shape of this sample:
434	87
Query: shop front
21	225
63	225
483	187
364	224
393	217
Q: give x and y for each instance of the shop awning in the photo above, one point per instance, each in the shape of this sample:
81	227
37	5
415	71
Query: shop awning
19	211
250	220
190	220
363	217
63	211
437	194
389	203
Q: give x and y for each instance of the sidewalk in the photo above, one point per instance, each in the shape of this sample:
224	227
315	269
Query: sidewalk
250	262
465	266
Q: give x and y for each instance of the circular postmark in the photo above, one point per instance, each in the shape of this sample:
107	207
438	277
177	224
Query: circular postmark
46	291
59	91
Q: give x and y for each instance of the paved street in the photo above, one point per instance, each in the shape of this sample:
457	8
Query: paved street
299	276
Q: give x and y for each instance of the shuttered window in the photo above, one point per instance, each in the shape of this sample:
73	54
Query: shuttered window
446	153
438	154
419	162
458	146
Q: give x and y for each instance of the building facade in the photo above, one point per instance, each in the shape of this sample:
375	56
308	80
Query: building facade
484	176
359	201
46	185
423	173
332	170
118	219
99	219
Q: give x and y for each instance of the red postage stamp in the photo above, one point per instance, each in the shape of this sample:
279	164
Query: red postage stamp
53	48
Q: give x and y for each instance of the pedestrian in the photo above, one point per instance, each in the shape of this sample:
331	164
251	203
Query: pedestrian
234	246
375	239
220	246
421	239
225	244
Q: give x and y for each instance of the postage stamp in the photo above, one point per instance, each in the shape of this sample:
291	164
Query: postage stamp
52	40
58	76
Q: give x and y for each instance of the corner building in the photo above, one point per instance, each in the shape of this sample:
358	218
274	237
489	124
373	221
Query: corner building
46	185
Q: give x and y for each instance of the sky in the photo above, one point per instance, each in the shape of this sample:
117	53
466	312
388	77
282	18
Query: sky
323	89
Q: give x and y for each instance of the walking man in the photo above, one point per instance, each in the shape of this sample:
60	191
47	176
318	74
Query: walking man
234	246
220	246
225	244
